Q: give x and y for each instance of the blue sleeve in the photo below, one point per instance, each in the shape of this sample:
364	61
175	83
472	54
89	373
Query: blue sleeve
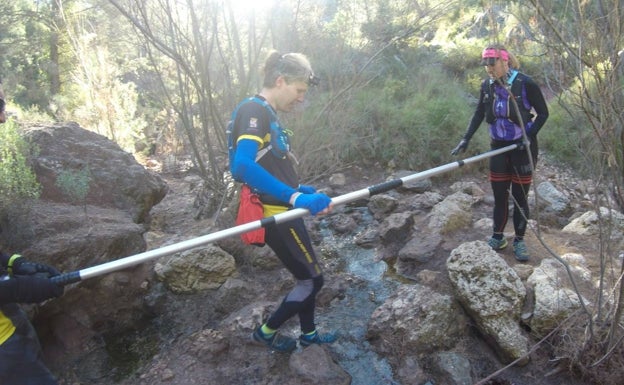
246	169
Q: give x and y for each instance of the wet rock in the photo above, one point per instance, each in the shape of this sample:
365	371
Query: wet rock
313	365
342	223
417	251
381	205
410	371
367	238
393	232
454	367
416	319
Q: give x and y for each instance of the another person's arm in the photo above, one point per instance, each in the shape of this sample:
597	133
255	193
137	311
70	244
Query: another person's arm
28	289
29	282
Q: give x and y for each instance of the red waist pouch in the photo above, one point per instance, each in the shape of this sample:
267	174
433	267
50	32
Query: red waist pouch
250	209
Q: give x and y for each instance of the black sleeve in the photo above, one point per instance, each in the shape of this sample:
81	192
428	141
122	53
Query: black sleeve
478	115
537	101
8	291
4	260
28	289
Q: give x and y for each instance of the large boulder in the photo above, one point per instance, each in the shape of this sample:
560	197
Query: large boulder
591	223
452	214
117	180
555	295
108	224
493	295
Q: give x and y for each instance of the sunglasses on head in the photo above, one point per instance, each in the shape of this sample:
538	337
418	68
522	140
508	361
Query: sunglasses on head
489	61
313	80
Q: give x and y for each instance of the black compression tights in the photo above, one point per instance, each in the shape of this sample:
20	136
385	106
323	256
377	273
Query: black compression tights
294	304
501	206
292	245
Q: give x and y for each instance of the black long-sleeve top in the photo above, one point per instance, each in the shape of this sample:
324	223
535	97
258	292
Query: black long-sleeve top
496	107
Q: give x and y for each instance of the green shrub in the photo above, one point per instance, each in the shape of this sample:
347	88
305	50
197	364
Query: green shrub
412	119
17	180
423	119
74	184
568	138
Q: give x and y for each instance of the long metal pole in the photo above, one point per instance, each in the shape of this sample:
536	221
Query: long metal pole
108	267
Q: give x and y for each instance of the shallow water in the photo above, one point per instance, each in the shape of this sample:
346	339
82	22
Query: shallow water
351	314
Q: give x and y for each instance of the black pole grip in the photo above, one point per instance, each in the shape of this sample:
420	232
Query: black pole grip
385	186
66	278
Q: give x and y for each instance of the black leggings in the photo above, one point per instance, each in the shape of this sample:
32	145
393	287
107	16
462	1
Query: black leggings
291	243
511	169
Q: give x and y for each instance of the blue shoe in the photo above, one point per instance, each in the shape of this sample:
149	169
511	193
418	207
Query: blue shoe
520	251
497	244
275	341
316	338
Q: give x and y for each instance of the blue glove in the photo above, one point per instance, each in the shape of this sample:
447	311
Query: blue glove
306	189
315	203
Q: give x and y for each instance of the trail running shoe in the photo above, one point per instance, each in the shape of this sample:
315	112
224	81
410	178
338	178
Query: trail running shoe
497	244
275	342
520	251
316	338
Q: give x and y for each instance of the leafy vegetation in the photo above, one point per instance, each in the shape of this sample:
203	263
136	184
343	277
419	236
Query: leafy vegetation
18	181
74	184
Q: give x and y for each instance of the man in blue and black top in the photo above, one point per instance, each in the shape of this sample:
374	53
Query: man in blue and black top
264	161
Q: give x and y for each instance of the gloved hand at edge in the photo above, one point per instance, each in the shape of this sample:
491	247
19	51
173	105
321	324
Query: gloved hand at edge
18	265
306	189
315	203
28	289
461	147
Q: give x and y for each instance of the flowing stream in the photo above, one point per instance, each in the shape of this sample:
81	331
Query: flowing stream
351	314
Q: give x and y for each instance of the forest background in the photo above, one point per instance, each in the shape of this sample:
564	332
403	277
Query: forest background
399	82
